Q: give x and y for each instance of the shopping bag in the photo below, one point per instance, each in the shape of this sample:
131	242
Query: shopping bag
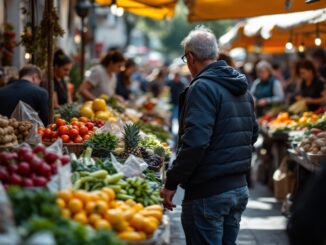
283	180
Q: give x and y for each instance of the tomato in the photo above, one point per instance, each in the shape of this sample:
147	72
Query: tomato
83	119
63	130
60	122
74	132
52	126
75	123
78	139
41	131
54	134
86	136
65	138
47	133
83	130
89	125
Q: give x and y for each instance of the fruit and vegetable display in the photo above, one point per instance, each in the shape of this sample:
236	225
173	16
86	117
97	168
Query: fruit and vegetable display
156	129
38	210
102	143
100	209
29	167
75	131
98	109
7	133
21	128
315	143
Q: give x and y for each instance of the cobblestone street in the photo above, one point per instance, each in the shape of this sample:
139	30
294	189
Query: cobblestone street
262	223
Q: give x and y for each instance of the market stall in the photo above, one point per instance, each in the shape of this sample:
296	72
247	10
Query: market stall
95	174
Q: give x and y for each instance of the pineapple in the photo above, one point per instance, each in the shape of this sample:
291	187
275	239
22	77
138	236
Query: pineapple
131	140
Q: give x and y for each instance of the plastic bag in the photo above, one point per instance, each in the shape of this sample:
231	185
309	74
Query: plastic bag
24	112
63	178
133	166
8	233
116	129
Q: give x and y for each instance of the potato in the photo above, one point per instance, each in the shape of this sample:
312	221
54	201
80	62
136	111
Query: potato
323	149
306	148
312	137
321	135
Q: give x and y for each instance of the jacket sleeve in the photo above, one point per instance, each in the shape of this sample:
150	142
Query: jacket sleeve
199	119
278	93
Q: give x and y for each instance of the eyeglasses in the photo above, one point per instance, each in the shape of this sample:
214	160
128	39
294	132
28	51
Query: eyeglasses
184	57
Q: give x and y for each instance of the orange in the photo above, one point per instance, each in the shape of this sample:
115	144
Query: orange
138	207
109	192
66	195
114	216
149	226
100	207
130	202
90	206
61	203
66	213
93	218
131	236
81	218
137	222
75	205
102	224
82	195
128	214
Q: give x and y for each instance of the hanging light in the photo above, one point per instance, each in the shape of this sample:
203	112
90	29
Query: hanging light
311	1
317	39
289	44
301	48
28	56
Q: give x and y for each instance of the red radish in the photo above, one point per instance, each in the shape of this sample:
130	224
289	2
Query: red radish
39	181
12	168
39	149
50	157
35	163
45	170
24	169
28	156
4	175
54	168
15	179
65	159
22	151
14	156
28	182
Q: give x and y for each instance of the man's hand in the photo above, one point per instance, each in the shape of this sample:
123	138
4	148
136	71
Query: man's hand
167	196
262	102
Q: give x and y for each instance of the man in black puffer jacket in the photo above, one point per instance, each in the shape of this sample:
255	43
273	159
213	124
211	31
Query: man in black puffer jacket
217	131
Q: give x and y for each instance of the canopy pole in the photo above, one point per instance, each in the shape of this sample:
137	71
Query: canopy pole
48	8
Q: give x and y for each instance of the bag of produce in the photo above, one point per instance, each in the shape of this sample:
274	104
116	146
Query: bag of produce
133	166
23	112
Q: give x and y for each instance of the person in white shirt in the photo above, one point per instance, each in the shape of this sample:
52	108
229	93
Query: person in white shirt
103	77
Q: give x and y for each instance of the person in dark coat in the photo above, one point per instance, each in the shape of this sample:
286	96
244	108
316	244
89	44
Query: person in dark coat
26	89
124	80
216	135
62	65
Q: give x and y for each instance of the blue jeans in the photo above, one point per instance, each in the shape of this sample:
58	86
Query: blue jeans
214	220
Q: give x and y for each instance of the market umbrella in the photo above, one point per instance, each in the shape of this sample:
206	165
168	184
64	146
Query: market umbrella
271	33
236	9
155	9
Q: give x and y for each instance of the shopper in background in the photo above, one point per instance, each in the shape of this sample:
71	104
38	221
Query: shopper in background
124	80
103	77
319	59
216	133
61	68
311	87
176	85
156	86
26	89
266	89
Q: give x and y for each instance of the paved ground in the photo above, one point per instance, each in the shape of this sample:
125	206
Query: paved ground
262	222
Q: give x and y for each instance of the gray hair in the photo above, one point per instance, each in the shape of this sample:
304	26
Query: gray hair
202	42
264	65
